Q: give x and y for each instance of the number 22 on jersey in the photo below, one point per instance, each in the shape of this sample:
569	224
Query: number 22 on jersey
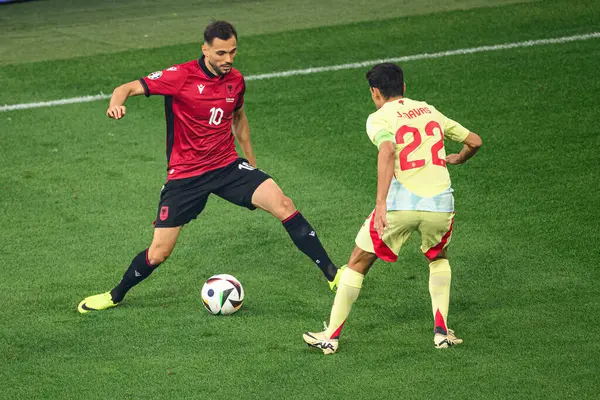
417	139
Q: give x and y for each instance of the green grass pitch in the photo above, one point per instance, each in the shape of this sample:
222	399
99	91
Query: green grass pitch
78	193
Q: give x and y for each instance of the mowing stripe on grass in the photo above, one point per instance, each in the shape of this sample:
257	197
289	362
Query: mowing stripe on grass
316	70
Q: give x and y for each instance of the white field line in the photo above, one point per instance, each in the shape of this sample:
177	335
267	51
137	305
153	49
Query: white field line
316	70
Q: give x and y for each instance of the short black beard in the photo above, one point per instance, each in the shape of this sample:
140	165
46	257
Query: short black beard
217	70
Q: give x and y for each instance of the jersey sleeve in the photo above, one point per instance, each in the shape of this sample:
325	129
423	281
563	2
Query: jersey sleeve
378	129
452	129
455	131
167	82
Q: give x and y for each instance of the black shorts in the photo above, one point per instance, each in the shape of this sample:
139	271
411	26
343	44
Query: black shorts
182	200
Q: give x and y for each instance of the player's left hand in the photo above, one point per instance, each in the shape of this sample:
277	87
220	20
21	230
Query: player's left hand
453	159
380	220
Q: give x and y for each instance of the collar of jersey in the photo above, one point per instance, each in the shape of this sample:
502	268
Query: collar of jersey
206	71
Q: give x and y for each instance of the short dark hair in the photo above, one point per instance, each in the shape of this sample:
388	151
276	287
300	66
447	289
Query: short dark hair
219	29
388	78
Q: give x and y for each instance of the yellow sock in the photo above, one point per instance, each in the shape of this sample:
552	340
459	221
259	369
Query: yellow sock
347	293
440	276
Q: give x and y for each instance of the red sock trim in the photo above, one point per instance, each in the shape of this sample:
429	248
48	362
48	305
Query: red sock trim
290	217
439	321
337	332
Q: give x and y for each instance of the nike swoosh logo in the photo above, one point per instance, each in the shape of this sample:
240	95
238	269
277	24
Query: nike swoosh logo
87	308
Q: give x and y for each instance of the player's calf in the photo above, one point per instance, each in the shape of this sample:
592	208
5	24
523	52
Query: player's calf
305	238
140	268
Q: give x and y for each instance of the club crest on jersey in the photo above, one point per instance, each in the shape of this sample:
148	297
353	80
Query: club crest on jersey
229	89
155	75
164	213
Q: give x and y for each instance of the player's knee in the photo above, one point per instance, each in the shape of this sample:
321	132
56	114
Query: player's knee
361	261
443	254
287	205
157	258
158	254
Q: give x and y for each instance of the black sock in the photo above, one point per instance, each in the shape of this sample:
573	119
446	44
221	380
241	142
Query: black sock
139	270
305	238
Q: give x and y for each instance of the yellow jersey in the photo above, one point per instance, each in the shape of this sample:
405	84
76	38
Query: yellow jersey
421	180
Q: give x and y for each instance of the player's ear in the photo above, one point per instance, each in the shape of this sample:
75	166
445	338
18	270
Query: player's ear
375	93
205	48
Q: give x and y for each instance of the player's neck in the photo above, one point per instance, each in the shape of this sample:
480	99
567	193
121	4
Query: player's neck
393	99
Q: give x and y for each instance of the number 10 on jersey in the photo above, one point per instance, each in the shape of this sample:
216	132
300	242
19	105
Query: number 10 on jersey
417	139
216	115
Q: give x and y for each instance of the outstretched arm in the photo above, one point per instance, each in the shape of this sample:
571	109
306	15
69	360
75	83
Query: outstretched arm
116	109
241	131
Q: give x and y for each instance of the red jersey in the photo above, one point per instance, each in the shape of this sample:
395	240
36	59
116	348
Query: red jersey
199	110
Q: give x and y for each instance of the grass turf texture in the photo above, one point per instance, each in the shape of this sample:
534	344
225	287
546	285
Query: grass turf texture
79	192
59	29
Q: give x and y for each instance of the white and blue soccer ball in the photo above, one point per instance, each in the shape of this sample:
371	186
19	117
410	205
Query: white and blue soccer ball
222	294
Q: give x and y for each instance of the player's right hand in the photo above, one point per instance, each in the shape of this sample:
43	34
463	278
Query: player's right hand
454	159
116	112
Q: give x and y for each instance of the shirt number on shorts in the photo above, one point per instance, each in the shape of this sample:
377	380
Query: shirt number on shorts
417	139
216	115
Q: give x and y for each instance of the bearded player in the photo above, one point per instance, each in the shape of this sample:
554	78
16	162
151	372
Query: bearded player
204	110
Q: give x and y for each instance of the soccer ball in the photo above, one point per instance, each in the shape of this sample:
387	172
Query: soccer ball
222	294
